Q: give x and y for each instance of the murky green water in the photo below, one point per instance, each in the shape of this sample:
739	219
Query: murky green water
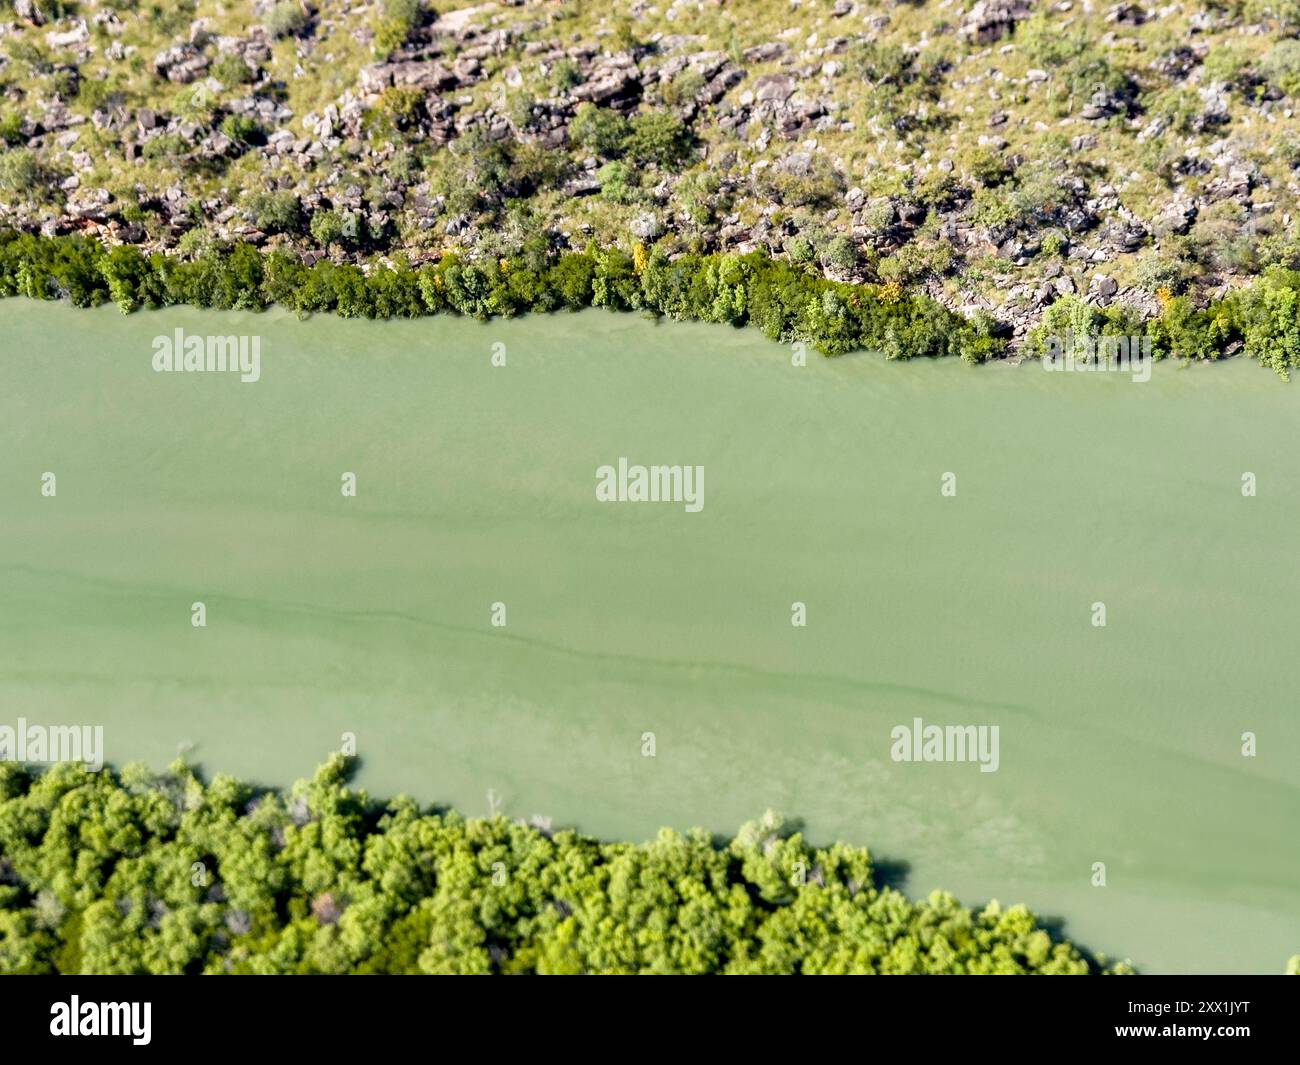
476	485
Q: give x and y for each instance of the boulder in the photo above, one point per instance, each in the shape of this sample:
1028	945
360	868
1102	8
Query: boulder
429	75
774	88
991	20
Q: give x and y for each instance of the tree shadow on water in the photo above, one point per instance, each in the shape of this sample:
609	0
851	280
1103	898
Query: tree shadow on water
890	873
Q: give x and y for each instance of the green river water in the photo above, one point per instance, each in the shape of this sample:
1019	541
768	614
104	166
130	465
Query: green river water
476	485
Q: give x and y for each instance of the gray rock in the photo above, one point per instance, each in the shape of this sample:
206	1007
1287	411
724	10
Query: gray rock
582	186
182	64
1177	217
429	75
28	11
91	204
774	88
1103	287
1101	105
1125	236
1153	130
77	35
722	81
763	53
796	164
991	20
1127	15
1215	107
1079	219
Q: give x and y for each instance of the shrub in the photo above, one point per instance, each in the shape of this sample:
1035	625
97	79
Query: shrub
599	130
936	189
880	63
878	215
1219	240
1270	320
840	254
624	36
565	75
1078	62
1280	249
984	339
408	11
1281	66
20	172
401	105
478	173
169	147
231	70
1155	271
916	260
1054	242
658	138
702	197
987	167
1034	199
533	167
901	83
11	127
1068	315
818	185
783	301
335	227
274	212
618	183
1227	65
243	130
800	249
683	87
285	19
1284	15
397	20
390	35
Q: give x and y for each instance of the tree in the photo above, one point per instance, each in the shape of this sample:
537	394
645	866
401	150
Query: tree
160	873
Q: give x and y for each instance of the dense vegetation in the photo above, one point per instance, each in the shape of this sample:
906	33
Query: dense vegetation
138	873
785	302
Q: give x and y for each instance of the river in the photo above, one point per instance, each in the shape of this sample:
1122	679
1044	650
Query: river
476	484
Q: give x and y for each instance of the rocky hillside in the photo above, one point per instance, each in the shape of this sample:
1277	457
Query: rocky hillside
999	154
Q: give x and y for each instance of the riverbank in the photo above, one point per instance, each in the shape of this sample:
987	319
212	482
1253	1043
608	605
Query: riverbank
785	303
